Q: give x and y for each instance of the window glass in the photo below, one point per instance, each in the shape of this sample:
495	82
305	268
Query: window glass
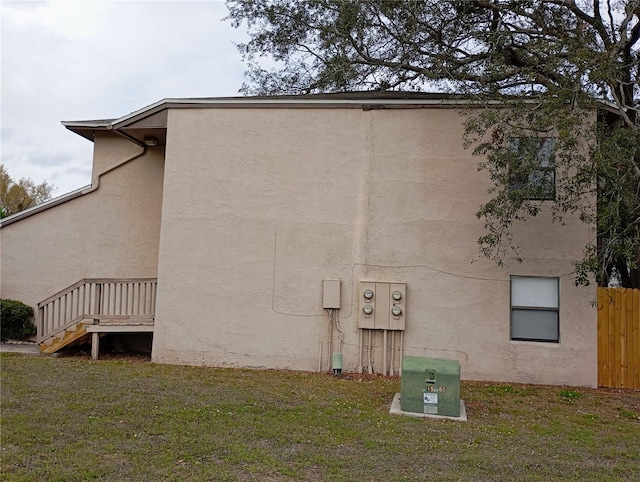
534	292
533	169
534	325
535	308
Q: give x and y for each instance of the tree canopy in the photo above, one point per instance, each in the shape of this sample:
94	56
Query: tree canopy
554	62
21	195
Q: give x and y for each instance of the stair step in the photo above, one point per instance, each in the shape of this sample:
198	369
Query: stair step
81	303
60	342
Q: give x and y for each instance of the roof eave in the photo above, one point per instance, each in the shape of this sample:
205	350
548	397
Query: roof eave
355	100
283	102
86	129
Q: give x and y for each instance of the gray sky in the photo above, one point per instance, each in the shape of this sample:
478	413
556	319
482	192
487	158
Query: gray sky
84	60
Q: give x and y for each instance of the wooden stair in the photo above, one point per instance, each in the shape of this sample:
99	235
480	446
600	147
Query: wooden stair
92	307
71	335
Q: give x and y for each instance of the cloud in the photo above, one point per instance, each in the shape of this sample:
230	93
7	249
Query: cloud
96	60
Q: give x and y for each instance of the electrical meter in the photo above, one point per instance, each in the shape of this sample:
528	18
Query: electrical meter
382	305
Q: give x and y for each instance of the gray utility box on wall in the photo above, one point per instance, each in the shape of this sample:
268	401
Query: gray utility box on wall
430	385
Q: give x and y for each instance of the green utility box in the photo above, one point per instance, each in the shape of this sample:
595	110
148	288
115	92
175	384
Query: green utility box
430	385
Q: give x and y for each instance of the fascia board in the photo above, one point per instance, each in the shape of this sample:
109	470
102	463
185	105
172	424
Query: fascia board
249	102
42	207
252	102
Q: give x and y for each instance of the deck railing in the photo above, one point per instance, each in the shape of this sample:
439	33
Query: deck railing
124	300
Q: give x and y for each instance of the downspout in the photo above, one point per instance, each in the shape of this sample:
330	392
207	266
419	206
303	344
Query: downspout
78	192
94	187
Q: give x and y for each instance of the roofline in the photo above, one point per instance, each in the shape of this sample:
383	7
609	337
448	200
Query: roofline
89	123
360	100
269	102
43	207
288	102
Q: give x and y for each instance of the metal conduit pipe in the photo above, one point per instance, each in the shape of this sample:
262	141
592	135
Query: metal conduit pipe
369	354
330	341
336	317
401	352
360	351
384	352
393	350
336	358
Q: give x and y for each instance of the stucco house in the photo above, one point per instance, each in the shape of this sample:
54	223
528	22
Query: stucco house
276	231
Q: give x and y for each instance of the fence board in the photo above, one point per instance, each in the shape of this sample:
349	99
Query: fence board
635	338
619	338
603	310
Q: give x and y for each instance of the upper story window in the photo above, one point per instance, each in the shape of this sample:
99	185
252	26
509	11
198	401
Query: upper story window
533	168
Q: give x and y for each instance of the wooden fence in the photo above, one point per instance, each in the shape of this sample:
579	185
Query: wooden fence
619	338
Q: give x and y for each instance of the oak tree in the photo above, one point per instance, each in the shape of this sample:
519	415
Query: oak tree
16	196
562	69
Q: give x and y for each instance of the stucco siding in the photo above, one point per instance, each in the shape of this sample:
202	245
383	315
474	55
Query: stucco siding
112	231
260	205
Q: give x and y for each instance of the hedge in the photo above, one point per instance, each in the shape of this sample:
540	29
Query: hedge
16	320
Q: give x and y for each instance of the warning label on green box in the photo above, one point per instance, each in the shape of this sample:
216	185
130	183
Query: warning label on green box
430	402
431	398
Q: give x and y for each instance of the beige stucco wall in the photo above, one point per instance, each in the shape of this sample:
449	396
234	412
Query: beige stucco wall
260	205
112	231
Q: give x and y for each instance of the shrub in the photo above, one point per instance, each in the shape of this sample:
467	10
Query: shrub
16	320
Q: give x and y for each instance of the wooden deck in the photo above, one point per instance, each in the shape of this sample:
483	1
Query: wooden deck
95	307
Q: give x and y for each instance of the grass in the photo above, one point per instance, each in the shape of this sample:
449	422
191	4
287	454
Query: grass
66	419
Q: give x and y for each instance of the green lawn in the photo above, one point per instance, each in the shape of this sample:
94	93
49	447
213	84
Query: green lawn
127	419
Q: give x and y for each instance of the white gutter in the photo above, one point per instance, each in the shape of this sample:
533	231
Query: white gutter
276	102
42	207
289	102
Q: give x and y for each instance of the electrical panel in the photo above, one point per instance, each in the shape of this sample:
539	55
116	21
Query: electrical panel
382	305
331	294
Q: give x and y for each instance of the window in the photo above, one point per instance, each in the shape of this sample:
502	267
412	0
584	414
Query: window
533	170
535	308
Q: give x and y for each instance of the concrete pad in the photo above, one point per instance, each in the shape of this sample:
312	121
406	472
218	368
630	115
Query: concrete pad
395	410
25	348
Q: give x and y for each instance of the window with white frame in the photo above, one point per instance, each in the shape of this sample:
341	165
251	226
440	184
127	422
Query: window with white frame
533	170
535	308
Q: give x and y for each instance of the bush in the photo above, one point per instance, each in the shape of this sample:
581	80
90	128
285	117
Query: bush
16	320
